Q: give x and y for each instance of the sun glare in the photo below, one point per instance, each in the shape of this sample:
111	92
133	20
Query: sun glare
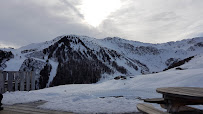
95	11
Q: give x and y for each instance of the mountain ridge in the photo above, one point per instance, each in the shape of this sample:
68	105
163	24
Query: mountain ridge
82	59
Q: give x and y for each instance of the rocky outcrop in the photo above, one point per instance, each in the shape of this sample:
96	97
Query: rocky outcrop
179	63
5	56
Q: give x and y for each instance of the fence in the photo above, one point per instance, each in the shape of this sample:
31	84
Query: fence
14	81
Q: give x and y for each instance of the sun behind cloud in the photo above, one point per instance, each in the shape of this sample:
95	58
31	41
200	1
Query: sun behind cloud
95	11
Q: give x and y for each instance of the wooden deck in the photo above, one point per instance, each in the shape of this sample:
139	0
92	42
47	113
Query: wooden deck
29	108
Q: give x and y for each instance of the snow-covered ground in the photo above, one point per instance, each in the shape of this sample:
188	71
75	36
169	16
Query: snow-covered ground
98	98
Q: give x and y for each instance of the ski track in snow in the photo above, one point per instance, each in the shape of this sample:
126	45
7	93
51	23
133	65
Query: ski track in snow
53	71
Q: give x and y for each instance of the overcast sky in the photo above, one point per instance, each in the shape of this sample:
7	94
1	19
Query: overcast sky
30	21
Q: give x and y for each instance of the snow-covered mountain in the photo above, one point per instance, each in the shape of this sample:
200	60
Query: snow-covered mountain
80	59
112	96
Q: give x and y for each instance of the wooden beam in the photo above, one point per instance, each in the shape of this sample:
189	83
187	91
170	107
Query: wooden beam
28	80
5	76
155	100
183	92
2	81
17	80
149	109
10	81
22	80
32	80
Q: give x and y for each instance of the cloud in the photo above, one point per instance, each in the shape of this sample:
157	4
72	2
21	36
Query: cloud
67	3
156	20
23	22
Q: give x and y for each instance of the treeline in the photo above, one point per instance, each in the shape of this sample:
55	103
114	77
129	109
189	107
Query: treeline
79	72
44	76
5	55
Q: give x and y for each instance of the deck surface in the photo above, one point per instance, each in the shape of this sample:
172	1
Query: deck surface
29	108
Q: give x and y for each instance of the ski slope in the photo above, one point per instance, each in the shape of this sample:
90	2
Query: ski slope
98	98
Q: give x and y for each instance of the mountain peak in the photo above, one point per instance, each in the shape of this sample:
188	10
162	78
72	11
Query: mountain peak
82	59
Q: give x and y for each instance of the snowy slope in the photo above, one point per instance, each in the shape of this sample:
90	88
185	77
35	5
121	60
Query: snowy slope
97	98
162	52
15	63
115	56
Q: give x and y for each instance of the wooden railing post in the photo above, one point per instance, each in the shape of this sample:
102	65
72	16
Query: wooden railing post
10	81
2	81
27	81
22	75
5	75
17	80
32	80
5	78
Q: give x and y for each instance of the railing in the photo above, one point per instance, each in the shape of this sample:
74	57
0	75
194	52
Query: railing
16	80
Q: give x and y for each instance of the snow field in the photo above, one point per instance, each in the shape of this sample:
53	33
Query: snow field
98	98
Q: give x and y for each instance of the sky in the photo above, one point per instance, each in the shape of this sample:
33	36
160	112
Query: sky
154	21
